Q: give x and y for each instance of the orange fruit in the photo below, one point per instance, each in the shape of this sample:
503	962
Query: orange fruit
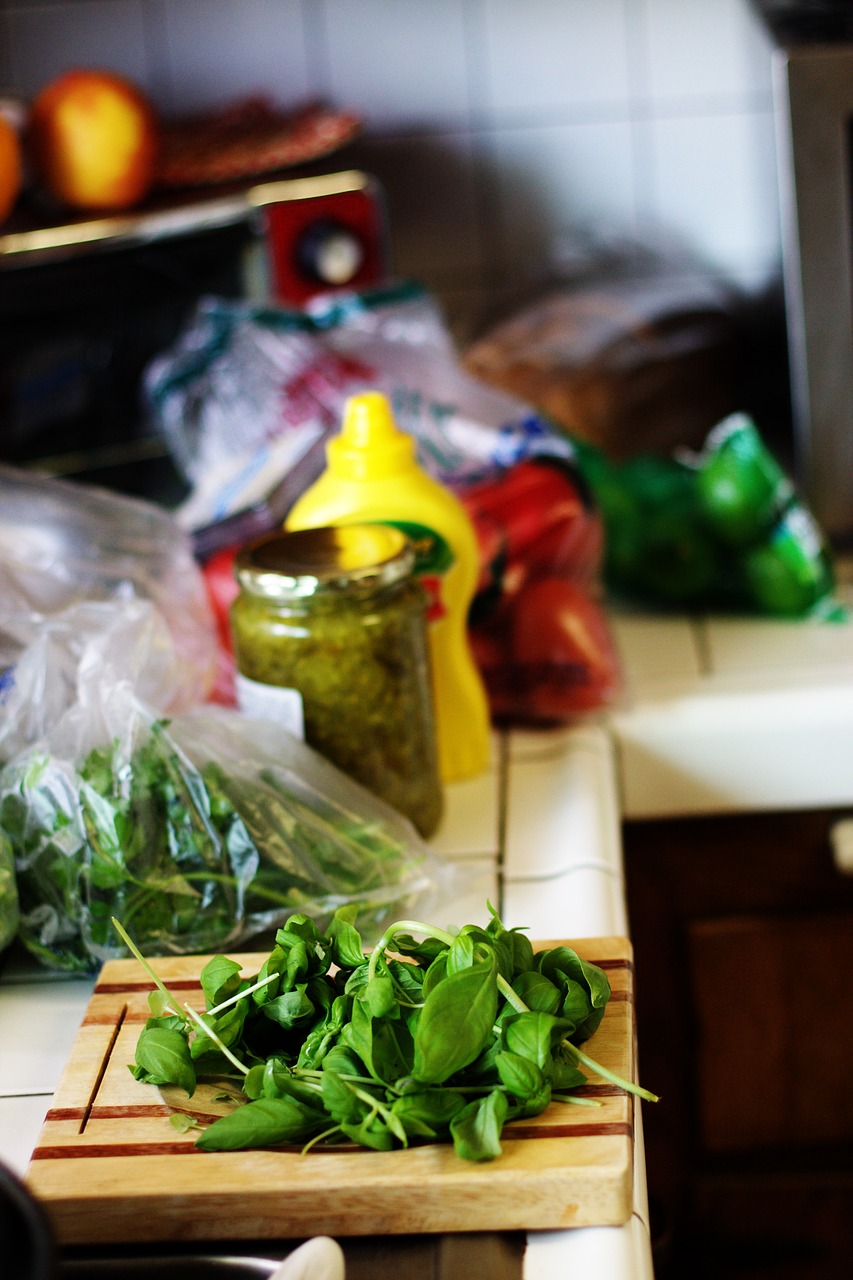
11	173
94	139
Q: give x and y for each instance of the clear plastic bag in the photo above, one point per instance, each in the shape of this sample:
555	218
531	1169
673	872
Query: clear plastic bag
247	392
67	548
197	834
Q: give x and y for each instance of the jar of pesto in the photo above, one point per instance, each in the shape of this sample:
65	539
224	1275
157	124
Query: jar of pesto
329	633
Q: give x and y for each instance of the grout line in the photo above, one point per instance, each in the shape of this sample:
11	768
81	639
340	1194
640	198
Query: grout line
503	790
317	56
545	877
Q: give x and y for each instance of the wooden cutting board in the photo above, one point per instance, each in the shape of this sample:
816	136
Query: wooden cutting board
110	1168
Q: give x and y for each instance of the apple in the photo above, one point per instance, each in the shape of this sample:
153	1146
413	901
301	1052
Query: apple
11	172
94	138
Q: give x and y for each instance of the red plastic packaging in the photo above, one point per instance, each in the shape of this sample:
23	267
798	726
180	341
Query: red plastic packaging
538	630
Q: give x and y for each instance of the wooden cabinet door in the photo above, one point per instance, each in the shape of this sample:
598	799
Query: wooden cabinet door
743	943
774	1031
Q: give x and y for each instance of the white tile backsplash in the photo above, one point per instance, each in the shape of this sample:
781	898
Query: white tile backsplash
216	50
47	39
714	179
551	178
400	65
555	60
497	127
701	49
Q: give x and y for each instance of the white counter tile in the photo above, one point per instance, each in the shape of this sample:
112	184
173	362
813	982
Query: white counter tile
551	743
588	902
21	1120
38	1023
750	751
657	654
770	650
561	807
471	819
605	1253
762	719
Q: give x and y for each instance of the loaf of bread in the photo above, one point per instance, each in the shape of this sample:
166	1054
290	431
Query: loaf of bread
629	366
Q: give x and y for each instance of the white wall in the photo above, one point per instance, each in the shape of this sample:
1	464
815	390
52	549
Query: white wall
502	129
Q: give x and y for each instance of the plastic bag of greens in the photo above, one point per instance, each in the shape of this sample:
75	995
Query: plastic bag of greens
197	834
8	895
719	529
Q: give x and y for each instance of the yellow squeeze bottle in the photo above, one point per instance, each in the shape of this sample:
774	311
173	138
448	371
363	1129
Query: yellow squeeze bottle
372	474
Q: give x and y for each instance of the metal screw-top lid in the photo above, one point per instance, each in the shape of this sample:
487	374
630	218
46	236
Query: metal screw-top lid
339	558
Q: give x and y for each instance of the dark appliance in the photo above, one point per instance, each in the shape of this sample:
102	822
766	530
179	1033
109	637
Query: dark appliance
85	306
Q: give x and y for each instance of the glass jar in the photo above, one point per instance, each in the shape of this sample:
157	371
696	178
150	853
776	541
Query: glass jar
329	633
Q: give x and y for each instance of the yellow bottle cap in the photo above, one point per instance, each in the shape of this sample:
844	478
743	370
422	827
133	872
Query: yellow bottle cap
370	443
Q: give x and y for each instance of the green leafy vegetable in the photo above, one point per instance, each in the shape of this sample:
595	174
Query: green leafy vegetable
190	857
8	894
332	1044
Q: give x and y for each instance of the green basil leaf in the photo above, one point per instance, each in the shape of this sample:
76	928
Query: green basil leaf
380	997
392	1049
461	954
343	1061
424	950
565	1075
520	948
357	1034
323	1035
486	944
476	1130
220	979
523	1078
227	1027
537	992
342	1100
347	944
308	950
567	962
436	973
274	964
408	981
535	1036
577	1006
372	1132
455	1023
428	1114
292	1009
164	1056
265	1122
253	1082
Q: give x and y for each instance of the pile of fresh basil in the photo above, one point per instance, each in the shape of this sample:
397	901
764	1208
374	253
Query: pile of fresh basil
330	1044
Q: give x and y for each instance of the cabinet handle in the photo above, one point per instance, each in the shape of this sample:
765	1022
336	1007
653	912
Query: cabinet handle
841	844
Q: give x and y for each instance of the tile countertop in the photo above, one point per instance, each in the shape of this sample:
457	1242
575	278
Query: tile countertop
537	834
725	715
719	715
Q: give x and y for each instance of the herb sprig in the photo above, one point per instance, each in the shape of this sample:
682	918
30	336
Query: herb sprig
428	1037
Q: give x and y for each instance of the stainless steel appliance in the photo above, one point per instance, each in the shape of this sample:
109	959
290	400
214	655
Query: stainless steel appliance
813	97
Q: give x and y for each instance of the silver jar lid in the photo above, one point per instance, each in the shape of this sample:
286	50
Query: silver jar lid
332	559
